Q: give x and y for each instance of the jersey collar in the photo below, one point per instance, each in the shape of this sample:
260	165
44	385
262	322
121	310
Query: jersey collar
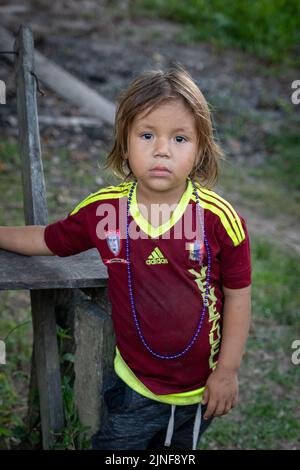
155	232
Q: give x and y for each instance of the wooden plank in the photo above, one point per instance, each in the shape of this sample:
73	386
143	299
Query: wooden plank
13	9
47	364
68	121
94	337
35	211
51	272
74	90
34	195
66	85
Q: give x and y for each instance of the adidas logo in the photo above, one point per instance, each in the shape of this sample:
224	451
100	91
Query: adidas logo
156	257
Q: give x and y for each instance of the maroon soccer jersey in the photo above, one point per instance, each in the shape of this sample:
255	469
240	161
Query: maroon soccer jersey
169	269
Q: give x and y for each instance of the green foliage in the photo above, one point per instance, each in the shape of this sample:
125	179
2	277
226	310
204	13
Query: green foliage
276	274
9	155
263	421
270	187
73	436
267	416
268	28
13	431
9	419
11	183
13	377
283	163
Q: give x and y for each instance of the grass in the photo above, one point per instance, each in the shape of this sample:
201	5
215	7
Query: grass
267	416
265	424
284	159
16	332
275	284
267	29
14	380
271	186
11	183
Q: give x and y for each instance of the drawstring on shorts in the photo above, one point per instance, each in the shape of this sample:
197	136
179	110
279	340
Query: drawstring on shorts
197	425
196	429
170	429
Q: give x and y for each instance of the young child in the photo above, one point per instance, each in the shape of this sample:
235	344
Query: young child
179	268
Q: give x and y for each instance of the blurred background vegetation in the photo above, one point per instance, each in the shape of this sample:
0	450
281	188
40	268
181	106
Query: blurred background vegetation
269	29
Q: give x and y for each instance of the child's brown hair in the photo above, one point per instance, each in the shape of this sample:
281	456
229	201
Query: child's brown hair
146	92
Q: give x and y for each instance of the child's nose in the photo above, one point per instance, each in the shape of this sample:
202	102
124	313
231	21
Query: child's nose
162	147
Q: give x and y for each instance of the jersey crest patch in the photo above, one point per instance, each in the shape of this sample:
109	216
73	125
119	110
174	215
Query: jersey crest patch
196	251
114	241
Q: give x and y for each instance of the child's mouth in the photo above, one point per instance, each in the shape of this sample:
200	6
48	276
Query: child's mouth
159	172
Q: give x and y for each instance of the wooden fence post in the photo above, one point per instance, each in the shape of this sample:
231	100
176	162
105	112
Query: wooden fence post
35	211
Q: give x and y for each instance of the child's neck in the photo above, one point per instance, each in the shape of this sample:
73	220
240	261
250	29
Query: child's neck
148	197
149	204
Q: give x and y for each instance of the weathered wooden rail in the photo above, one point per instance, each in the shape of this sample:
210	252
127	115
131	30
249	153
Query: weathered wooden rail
52	280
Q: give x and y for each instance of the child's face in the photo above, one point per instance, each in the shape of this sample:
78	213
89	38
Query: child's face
165	138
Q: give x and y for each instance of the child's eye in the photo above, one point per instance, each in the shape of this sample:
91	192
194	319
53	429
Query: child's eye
146	135
180	137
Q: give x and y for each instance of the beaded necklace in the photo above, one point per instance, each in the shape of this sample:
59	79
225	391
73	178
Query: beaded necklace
130	288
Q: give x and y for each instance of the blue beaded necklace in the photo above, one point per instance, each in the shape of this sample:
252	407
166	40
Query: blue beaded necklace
130	288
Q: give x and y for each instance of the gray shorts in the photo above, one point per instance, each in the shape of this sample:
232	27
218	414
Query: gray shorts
134	422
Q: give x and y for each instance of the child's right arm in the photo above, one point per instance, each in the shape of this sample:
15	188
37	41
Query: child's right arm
26	240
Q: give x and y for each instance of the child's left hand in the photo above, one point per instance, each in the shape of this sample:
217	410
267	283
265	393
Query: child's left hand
221	392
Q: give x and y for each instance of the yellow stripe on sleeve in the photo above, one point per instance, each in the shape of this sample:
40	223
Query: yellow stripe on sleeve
104	193
227	219
230	211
